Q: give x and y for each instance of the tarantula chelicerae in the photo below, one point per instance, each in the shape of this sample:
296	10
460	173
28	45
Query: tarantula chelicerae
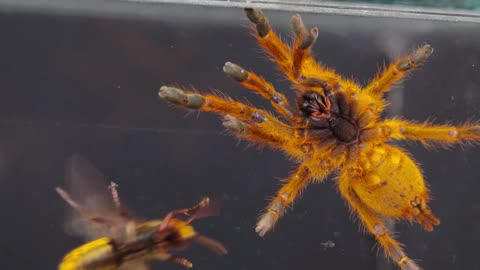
335	126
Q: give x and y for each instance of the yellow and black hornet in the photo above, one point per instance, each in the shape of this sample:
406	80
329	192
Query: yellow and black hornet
117	241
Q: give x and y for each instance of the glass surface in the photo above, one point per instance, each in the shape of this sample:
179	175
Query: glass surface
86	83
451	4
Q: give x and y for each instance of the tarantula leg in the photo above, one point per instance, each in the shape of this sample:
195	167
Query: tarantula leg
376	227
285	197
260	20
261	118
267	38
251	132
315	135
427	134
179	97
283	54
396	71
256	83
304	40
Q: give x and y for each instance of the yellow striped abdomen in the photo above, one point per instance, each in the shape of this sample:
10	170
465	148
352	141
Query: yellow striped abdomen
94	255
392	182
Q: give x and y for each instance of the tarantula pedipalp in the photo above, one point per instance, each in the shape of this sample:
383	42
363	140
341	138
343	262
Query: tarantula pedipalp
335	127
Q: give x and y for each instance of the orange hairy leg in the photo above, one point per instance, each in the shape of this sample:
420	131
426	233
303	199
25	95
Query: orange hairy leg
279	51
304	147
294	62
426	133
397	70
304	40
265	89
374	225
294	184
223	106
285	197
258	125
253	133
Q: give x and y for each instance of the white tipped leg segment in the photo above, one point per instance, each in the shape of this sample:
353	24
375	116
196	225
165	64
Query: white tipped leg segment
235	72
269	218
179	97
234	125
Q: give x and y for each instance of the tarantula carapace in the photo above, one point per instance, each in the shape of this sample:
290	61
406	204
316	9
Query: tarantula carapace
335	127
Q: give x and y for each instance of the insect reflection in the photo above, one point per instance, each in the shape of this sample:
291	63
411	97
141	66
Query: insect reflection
117	240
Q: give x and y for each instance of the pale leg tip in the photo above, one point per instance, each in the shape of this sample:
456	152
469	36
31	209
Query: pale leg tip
261	231
265	224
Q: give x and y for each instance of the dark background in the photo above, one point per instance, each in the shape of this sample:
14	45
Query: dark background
88	85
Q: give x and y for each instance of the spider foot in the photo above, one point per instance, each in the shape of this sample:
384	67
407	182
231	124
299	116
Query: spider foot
258	84
179	97
309	39
408	264
235	71
270	217
234	125
258	18
307	36
417	57
265	224
304	40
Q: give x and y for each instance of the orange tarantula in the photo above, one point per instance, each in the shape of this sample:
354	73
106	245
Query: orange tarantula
335	127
